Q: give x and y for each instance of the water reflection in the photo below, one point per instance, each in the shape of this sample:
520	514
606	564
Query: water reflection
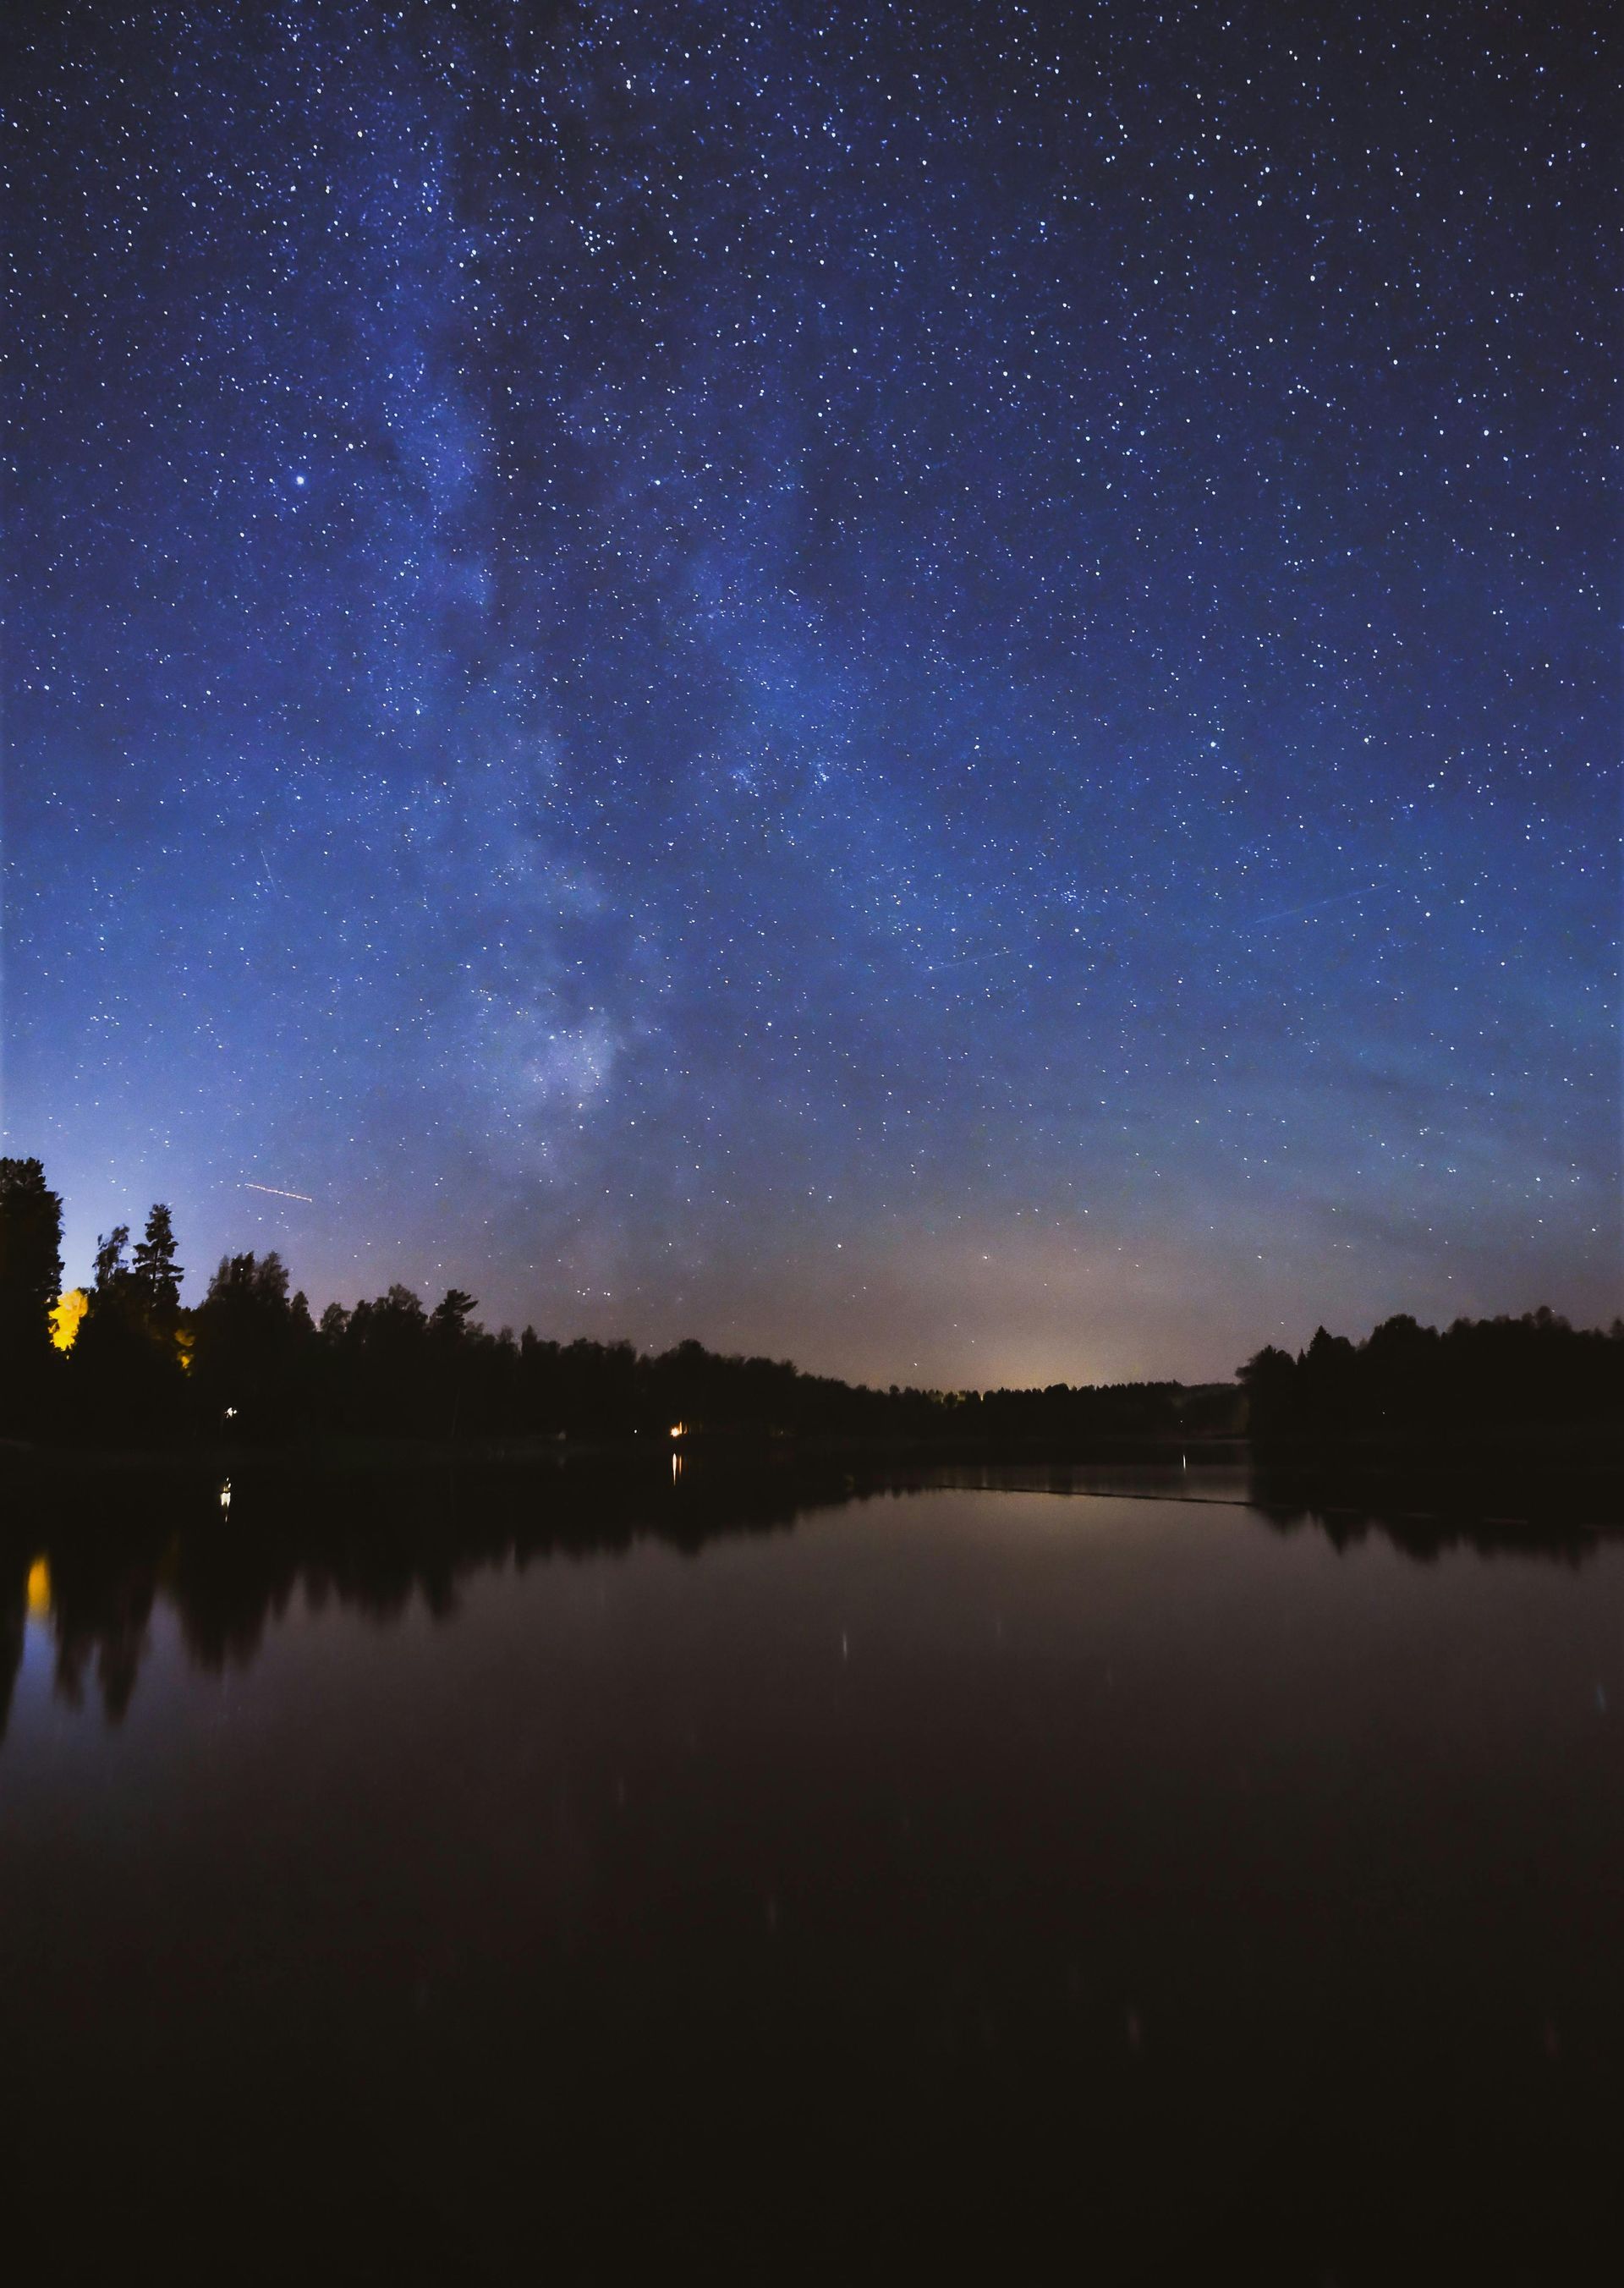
985	1881
88	1567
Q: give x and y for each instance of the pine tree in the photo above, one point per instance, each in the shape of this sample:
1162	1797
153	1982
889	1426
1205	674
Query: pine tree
156	1273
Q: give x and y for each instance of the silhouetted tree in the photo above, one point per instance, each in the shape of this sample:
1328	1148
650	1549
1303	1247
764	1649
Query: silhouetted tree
30	1281
385	1347
1483	1376
111	1271
249	1347
103	1362
156	1273
1269	1381
1326	1389
450	1315
125	1369
453	1364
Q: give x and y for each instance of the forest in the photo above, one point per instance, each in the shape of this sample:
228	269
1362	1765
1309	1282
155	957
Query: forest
124	1364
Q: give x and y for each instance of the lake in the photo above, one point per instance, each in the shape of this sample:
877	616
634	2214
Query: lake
511	1877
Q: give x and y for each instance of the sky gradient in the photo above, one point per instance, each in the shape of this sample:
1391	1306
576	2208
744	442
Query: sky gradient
929	689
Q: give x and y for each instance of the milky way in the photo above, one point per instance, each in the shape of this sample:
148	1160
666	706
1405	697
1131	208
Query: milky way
927	687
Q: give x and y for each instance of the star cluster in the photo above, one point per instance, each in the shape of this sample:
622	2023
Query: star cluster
928	687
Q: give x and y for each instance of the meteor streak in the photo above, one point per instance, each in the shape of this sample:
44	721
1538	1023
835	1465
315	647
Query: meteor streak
277	1192
1342	898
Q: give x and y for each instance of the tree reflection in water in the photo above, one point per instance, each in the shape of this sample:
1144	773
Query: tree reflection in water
91	1560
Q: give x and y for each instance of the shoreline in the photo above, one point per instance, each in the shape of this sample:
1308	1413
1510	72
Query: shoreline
1515	1476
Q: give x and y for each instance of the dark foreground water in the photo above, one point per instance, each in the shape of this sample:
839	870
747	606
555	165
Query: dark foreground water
468	1882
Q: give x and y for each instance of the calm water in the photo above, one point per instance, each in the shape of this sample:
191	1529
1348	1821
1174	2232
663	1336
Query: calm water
512	1881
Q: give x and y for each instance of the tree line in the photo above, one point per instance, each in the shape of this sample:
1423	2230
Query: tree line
123	1362
1407	1380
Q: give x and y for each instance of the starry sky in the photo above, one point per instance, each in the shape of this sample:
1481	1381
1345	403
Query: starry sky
929	687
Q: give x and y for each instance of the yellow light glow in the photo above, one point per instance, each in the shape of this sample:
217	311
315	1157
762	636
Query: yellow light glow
66	1316
676	1429
39	1590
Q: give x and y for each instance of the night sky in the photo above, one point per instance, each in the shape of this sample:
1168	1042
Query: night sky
926	688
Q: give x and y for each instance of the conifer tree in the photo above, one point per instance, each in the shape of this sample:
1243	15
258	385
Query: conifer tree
157	1275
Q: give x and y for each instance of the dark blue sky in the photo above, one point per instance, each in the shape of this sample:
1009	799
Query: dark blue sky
931	688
